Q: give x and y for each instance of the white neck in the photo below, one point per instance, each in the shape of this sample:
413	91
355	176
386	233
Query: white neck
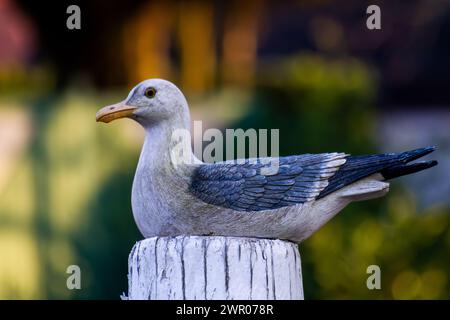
161	144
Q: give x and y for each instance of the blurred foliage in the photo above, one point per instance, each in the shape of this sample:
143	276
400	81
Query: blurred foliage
22	82
67	202
318	104
66	197
410	247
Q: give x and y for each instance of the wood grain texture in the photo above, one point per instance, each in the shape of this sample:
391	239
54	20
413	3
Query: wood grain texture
214	268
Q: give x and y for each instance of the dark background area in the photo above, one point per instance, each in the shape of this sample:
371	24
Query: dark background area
410	54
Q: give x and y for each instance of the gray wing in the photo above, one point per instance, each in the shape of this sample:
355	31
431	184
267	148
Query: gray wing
251	186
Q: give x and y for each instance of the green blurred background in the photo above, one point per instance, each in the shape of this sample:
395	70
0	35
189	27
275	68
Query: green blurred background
310	68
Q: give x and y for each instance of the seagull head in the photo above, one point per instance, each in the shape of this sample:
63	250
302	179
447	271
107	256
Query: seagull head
151	102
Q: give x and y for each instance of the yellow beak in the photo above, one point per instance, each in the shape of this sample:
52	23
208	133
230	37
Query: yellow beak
113	112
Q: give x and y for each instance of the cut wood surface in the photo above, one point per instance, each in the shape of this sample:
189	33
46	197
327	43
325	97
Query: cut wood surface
214	268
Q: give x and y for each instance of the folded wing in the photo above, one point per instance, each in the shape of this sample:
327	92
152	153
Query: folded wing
264	183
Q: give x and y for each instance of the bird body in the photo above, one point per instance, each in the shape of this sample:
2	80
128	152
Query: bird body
240	198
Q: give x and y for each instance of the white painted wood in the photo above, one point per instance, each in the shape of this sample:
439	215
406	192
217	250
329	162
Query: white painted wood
203	267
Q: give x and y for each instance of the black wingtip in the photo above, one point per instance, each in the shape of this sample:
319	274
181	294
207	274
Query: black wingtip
409	168
406	169
409	156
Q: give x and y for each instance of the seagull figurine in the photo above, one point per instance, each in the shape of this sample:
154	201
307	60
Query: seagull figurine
239	198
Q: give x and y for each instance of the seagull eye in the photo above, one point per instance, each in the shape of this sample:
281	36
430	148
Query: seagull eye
150	92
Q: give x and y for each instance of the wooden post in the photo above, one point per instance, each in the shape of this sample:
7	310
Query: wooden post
203	267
